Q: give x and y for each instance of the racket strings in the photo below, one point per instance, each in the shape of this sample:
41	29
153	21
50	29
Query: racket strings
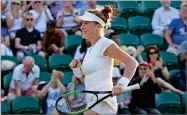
71	103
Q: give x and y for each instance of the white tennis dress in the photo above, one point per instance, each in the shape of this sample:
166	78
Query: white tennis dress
97	69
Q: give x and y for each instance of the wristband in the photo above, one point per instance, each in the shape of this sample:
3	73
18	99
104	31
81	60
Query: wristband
124	81
77	72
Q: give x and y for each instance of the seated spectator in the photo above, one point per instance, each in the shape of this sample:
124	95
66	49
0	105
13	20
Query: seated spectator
24	80
81	6
55	6
28	39
82	49
14	18
124	99
66	18
159	69
183	58
143	100
27	6
75	85
53	40
163	16
5	42
41	15
176	34
5	7
53	90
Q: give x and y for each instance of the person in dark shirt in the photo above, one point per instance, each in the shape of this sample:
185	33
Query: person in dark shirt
143	100
53	40
28	39
160	70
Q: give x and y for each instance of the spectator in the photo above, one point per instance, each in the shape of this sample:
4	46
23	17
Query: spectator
124	99
41	15
24	80
28	39
14	18
5	42
75	85
176	34
159	69
5	7
81	6
66	18
163	16
27	6
55	6
143	100
183	58
53	90
82	49
53	40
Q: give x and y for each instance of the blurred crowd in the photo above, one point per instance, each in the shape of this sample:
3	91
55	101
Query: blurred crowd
41	27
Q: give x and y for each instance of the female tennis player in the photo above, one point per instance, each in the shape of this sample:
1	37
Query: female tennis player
97	66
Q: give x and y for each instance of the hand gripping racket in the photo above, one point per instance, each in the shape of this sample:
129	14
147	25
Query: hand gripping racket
65	102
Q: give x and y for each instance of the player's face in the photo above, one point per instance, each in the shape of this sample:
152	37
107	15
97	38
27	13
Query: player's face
89	29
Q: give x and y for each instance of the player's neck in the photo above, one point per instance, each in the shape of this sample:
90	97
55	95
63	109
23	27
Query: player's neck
94	40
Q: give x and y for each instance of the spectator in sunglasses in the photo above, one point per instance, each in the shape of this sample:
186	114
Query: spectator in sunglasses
53	40
41	15
143	100
14	18
159	69
28	39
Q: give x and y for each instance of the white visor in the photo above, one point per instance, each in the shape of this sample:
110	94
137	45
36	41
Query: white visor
87	16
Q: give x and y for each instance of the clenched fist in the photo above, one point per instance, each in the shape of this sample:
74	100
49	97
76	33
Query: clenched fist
75	63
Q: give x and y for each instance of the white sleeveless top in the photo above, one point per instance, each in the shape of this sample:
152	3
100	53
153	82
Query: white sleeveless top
98	68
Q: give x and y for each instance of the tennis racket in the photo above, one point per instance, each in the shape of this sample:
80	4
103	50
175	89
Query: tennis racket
64	104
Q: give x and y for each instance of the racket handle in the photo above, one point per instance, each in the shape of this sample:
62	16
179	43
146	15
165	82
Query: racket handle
130	88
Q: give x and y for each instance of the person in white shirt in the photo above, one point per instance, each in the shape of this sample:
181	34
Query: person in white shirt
14	18
24	80
41	15
162	17
97	66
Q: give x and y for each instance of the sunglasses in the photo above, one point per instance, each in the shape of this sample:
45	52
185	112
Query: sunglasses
29	19
151	53
142	68
14	3
37	2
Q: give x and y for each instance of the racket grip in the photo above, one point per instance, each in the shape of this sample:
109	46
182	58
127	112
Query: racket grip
132	87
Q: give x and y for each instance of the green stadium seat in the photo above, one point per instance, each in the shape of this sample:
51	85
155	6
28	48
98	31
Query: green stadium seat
72	42
5	107
67	78
11	58
102	3
60	62
170	59
25	105
45	76
128	9
119	25
40	61
168	103
144	55
6	82
151	39
128	40
149	7
139	25
176	4
184	101
173	79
